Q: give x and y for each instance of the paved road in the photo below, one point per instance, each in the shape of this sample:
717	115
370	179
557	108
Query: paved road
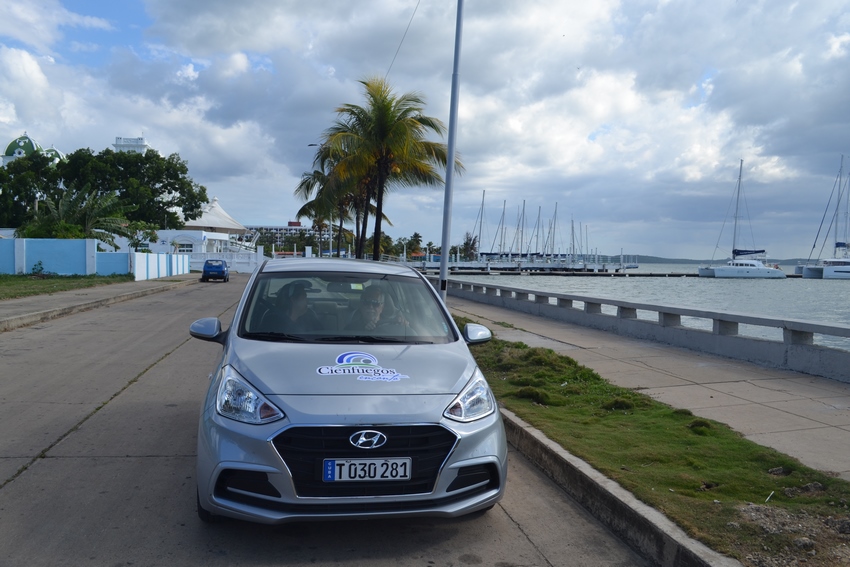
99	414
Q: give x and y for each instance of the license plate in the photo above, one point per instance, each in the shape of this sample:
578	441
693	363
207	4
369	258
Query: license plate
366	469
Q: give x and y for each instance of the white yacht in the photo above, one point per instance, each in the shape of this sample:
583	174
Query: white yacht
747	268
828	269
837	267
744	263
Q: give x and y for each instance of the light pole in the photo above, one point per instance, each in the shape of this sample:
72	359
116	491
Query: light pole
447	205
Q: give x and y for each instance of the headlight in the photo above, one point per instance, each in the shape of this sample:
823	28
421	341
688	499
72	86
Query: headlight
474	402
238	400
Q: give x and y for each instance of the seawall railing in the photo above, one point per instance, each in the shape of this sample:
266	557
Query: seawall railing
801	346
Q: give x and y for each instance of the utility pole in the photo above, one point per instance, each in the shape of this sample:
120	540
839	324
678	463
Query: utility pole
450	166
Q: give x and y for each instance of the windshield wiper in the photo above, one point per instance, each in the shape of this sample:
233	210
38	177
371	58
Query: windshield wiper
380	339
274	336
336	339
361	339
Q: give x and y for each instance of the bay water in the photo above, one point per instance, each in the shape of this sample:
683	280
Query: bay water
816	301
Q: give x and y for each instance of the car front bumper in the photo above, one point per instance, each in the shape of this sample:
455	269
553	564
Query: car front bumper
273	473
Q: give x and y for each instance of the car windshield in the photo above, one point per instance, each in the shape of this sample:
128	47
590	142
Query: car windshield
338	307
214	263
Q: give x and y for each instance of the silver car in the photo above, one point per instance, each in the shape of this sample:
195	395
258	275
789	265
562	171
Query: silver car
345	390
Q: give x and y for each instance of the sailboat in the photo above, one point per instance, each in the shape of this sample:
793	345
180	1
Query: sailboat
837	267
744	263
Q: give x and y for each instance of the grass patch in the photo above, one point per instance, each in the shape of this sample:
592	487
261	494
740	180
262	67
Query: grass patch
25	285
698	472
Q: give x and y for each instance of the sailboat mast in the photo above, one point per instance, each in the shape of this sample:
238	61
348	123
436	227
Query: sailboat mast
499	236
522	229
846	213
737	203
836	242
572	241
502	224
483	192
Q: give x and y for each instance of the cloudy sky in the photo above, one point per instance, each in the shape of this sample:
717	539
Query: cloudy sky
628	118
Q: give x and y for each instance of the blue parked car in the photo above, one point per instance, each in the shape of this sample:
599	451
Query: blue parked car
215	270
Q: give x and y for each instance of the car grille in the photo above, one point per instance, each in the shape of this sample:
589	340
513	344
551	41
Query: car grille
303	449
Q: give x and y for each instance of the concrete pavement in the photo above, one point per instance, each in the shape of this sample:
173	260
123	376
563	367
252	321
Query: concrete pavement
803	416
25	311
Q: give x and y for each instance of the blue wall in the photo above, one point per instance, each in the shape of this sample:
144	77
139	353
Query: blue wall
109	263
80	257
64	257
7	256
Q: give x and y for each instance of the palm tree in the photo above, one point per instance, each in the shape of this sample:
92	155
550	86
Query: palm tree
328	195
80	214
382	145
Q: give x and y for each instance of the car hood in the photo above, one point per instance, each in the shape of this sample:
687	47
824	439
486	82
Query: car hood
317	369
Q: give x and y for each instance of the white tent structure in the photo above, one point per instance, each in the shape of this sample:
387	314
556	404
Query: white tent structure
215	232
216	219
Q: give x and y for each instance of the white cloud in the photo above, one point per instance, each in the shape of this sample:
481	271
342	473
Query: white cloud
38	24
837	46
234	65
187	73
631	116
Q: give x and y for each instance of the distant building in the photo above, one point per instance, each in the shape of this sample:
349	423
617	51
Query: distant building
279	233
25	146
215	231
134	145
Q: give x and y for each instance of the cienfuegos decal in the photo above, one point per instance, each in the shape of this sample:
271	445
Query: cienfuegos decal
363	365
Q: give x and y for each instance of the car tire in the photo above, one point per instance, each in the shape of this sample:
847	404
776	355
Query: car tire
206	516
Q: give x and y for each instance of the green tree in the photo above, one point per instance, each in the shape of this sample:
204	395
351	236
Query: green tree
268	242
151	186
383	145
414	243
327	195
141	232
23	183
156	186
79	214
469	248
385	245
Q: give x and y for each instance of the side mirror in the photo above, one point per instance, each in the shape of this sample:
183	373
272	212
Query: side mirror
208	329
476	334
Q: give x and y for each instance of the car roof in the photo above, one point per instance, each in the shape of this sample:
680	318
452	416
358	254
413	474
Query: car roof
337	265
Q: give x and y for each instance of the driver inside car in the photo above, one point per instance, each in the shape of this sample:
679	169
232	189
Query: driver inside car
370	315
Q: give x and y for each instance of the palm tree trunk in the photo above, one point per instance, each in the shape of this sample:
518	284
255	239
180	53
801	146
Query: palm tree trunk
368	200
358	215
339	233
379	211
361	243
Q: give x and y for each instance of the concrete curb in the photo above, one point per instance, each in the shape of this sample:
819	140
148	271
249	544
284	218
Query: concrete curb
643	528
17	321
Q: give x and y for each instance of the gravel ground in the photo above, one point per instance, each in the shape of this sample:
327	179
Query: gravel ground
816	541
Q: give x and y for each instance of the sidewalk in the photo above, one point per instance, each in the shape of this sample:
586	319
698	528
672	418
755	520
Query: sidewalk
24	311
803	416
